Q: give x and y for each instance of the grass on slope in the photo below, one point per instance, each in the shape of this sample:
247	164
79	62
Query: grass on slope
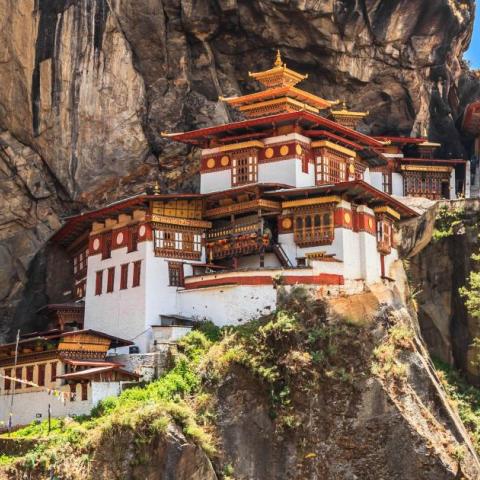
464	397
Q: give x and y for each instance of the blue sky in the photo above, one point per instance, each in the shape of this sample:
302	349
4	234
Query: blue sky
473	54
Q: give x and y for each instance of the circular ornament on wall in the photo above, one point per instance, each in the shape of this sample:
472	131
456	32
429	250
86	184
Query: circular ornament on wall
284	150
269	152
298	149
225	161
119	238
347	217
370	223
142	230
96	244
211	163
287	223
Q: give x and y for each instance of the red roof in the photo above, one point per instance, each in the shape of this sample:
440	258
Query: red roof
310	120
456	161
403	140
356	189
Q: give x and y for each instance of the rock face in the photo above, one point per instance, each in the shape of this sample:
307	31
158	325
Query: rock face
437	270
86	87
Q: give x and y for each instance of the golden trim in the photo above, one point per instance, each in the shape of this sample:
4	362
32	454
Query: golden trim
239	146
284	150
180	221
298	149
245	206
425	168
388	210
225	161
277	101
211	163
333	146
311	201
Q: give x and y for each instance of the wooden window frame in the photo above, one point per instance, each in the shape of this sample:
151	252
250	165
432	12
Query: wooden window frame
84	394
53	372
41	374
124	276
177	242
384	235
330	167
310	227
132	239
107	246
110	279
387	182
19	375
248	160
29	374
73	392
7	383
137	271
98	282
176	277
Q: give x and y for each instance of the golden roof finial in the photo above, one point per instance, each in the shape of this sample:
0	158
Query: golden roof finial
278	60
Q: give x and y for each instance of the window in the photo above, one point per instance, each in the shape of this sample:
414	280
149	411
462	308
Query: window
80	264
41	375
84	391
177	243
132	240
98	282
18	374
107	246
387	182
30	374
73	392
384	236
313	227
330	168
136	273
110	279
8	382
53	372
175	274
124	276
244	168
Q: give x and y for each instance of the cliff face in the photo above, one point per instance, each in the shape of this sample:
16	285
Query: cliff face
438	270
86	87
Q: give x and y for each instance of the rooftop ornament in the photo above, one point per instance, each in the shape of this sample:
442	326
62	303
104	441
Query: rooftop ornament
279	75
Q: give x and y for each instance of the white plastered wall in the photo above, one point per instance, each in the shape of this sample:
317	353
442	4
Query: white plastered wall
215	181
376	180
122	312
397	184
227	305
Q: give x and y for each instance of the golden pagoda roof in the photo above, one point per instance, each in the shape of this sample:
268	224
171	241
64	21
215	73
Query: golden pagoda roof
279	75
277	92
344	112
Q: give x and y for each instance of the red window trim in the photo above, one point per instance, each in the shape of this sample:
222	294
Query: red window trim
137	269
124	276
53	371
99	282
41	375
84	391
110	279
8	382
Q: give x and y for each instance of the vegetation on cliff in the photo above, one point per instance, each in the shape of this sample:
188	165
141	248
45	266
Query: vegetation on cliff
309	370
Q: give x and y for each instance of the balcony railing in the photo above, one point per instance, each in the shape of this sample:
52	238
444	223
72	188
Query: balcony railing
317	236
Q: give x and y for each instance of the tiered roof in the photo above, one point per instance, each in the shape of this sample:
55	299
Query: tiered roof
280	95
